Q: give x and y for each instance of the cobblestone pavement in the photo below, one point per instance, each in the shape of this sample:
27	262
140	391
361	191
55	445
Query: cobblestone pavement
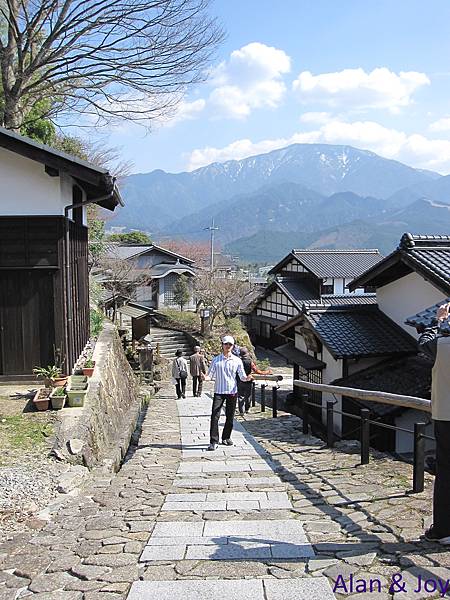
277	516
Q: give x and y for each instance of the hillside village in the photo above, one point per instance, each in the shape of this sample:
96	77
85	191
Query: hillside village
224	342
344	318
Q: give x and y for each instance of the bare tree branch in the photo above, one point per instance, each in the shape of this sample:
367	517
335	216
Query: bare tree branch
128	59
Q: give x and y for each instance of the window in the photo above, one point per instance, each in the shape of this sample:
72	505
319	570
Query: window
327	289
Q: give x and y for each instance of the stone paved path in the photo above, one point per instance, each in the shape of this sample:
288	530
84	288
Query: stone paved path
349	520
233	480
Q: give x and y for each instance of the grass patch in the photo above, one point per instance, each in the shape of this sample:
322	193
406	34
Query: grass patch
18	431
186	320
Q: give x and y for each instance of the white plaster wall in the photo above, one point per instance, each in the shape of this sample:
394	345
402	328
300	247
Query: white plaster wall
339	287
300	341
405	297
404	442
26	189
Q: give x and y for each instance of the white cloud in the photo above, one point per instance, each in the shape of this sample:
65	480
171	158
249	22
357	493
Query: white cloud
186	111
251	78
441	124
354	88
317	118
414	149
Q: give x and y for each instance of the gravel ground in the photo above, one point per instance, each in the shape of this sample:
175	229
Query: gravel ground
28	477
24	491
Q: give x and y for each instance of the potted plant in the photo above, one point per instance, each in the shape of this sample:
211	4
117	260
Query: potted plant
76	392
88	367
41	399
49	374
58	397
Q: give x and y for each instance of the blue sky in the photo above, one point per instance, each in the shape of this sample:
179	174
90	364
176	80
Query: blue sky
371	73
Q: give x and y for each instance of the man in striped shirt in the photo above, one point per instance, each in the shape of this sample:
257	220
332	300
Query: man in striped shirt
223	370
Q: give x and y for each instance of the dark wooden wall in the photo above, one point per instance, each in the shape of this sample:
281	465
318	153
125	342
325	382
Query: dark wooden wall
33	304
79	290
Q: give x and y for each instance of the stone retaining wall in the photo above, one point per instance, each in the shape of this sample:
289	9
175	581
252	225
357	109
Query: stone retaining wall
99	433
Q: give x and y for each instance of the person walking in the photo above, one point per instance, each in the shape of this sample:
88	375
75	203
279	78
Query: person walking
180	373
197	367
436	343
223	370
245	387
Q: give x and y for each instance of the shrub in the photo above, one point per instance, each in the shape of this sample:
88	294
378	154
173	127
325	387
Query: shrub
96	318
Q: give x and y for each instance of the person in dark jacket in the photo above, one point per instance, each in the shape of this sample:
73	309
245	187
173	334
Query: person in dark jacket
179	374
245	387
436	344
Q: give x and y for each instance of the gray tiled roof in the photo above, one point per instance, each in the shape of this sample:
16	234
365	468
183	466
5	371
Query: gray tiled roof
299	290
337	263
427	317
128	251
345	300
357	332
428	255
124	252
303	294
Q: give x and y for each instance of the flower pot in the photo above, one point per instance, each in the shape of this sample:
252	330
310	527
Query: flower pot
75	397
60	381
88	371
57	401
77	380
41	399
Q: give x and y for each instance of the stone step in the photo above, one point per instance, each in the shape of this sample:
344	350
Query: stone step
304	588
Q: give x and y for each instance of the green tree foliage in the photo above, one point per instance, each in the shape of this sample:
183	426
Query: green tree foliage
36	126
133	237
181	291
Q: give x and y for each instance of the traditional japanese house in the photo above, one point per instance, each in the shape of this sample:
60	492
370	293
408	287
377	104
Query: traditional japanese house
377	351
305	276
161	267
329	341
44	288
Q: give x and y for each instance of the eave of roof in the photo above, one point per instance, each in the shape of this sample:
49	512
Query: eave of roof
296	356
408	256
338	347
96	182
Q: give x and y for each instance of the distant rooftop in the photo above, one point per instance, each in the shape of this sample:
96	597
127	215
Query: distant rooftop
126	251
332	263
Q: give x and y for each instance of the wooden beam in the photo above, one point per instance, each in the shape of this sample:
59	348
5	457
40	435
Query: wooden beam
372	396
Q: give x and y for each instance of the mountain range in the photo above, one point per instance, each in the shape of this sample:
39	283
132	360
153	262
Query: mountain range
314	195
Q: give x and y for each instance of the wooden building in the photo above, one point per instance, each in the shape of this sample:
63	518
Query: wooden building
373	347
317	276
44	288
162	268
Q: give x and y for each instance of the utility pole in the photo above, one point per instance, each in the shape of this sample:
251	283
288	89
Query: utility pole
212	229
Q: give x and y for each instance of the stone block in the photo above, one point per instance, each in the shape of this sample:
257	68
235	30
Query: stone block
163	553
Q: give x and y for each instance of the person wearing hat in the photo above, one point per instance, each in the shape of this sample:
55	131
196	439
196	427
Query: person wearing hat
435	342
179	373
223	370
245	387
197	366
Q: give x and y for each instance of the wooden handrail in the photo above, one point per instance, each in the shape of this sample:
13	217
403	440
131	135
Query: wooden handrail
372	396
